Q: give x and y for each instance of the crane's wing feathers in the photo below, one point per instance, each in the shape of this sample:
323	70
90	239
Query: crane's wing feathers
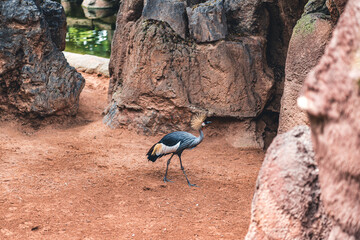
171	143
174	138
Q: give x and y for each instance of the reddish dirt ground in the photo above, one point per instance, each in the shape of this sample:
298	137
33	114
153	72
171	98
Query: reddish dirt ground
78	179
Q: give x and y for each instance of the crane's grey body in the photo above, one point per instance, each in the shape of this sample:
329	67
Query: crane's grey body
175	143
186	140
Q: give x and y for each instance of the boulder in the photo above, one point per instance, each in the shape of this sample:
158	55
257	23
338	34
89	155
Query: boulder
331	98
191	3
100	4
93	64
149	93
207	21
340	5
336	7
172	12
246	18
130	11
286	203
35	78
310	36
56	20
316	6
233	79
98	13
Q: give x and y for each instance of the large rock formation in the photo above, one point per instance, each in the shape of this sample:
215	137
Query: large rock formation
287	204
34	75
310	36
158	79
160	75
331	98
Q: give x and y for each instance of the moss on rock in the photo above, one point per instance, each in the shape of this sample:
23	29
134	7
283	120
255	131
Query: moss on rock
313	11
305	25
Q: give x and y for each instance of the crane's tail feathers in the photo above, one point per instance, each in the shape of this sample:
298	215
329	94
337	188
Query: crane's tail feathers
154	152
152	158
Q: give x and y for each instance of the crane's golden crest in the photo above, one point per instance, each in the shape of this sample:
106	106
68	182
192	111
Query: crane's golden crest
197	121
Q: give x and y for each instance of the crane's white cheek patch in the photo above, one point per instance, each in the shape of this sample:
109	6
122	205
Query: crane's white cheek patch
168	149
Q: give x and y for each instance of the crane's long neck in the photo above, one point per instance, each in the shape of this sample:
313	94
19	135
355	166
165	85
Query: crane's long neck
199	138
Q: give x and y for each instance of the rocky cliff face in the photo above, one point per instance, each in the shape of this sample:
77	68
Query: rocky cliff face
35	78
332	100
179	58
310	36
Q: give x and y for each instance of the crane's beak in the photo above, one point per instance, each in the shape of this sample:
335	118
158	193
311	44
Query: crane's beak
207	122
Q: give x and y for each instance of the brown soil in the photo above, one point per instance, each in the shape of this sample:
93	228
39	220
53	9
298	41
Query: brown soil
78	179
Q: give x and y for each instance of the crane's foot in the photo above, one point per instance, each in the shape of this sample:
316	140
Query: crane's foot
167	180
193	185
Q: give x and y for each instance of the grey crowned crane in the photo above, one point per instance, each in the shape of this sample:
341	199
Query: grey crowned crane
176	142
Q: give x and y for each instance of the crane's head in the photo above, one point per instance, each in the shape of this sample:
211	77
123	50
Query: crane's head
199	121
205	123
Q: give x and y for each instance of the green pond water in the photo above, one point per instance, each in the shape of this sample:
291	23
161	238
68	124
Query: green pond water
86	40
89	31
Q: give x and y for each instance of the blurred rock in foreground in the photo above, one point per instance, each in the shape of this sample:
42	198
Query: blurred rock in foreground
331	97
35	78
286	203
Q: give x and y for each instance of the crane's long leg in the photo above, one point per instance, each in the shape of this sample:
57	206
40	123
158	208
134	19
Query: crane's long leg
167	166
182	168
